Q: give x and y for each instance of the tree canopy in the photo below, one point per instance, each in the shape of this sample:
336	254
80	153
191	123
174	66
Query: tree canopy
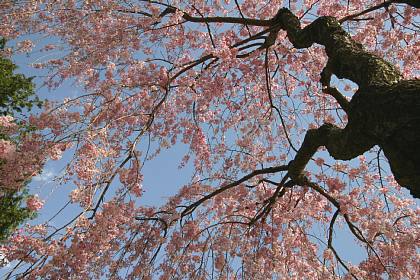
16	91
300	117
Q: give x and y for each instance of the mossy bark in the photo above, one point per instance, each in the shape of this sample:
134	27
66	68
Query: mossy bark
385	110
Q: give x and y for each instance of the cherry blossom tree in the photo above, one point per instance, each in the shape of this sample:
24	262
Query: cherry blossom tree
273	99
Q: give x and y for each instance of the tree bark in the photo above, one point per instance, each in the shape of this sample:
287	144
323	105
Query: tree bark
385	110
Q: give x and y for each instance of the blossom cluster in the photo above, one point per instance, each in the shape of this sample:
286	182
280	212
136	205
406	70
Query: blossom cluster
236	107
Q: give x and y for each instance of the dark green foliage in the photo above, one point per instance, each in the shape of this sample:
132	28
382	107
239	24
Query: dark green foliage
16	90
12	214
16	95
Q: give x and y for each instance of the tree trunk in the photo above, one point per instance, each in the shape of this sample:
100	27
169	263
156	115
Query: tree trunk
385	111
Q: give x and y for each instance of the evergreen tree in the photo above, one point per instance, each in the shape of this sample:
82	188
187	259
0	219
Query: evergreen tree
16	95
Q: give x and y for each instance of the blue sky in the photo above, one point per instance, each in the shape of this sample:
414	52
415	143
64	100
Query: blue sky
162	175
163	180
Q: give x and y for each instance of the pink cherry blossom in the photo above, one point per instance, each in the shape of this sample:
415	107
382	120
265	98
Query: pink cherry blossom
207	77
7	149
34	203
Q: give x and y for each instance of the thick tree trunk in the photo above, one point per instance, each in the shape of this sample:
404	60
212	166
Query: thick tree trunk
385	111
